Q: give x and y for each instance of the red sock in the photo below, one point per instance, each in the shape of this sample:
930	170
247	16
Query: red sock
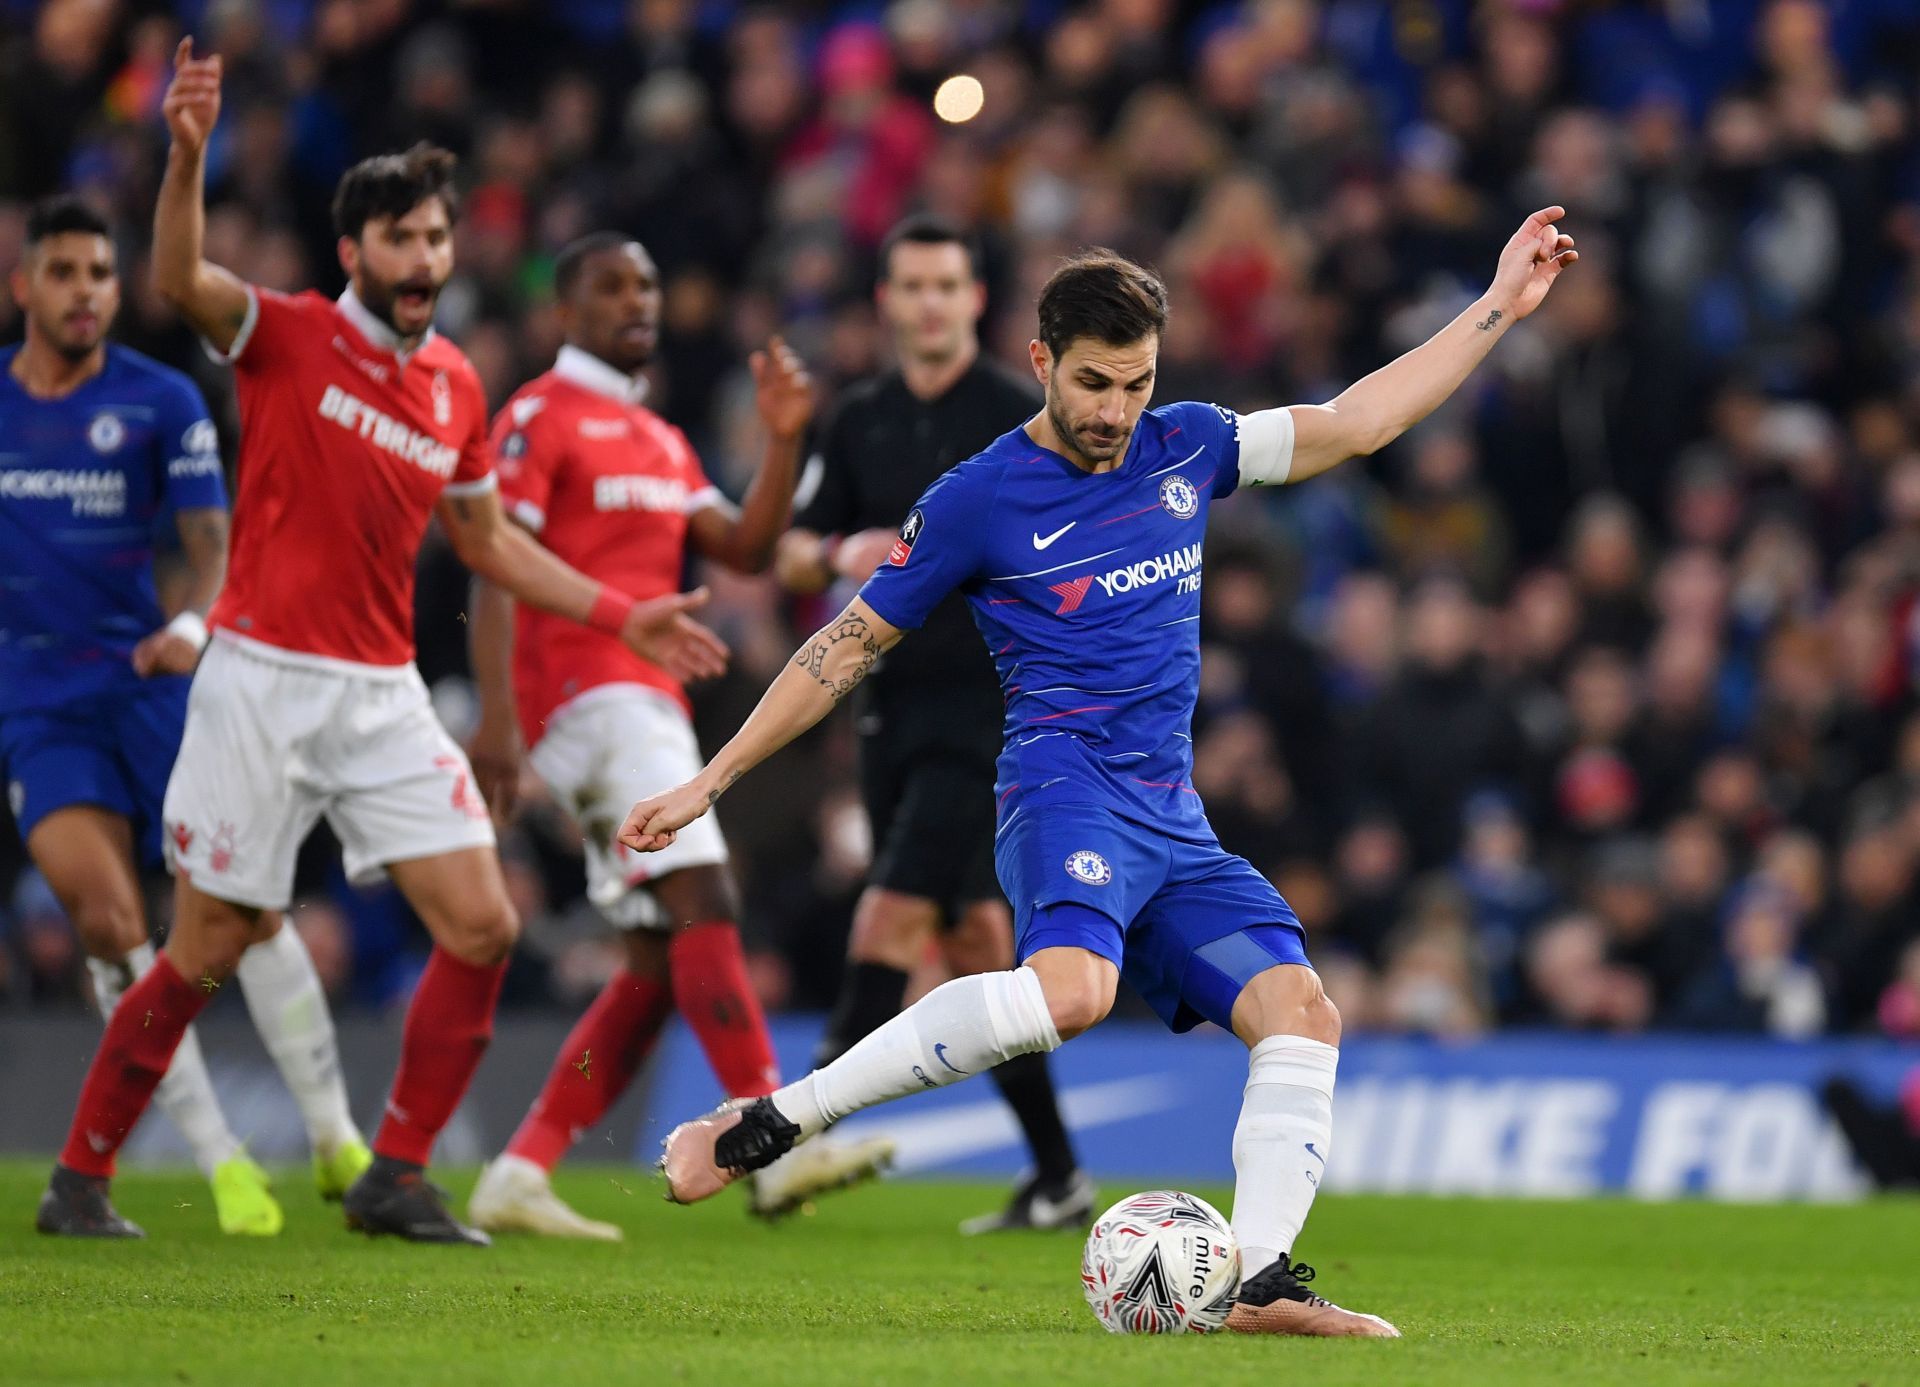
596	1063
448	1027
142	1034
711	989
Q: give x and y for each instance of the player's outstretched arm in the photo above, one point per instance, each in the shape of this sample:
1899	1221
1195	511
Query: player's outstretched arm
743	537
821	673
807	562
175	648
496	748
659	630
212	299
1377	409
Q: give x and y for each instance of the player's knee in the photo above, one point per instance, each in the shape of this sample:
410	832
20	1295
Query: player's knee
982	942
649	953
1078	1009
697	896
1286	1000
108	926
1323	1018
482	935
889	928
1079	993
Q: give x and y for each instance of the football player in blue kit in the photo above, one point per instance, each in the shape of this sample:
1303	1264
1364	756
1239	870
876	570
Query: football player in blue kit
1076	540
99	447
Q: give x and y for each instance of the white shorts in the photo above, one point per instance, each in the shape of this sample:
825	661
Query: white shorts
601	754
273	741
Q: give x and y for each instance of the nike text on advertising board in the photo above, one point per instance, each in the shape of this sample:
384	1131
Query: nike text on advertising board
1535	1115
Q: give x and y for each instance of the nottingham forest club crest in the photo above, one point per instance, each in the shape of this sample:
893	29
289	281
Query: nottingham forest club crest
1178	498
1090	867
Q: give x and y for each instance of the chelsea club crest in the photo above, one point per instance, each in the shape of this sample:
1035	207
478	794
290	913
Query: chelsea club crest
106	433
1090	867
1178	498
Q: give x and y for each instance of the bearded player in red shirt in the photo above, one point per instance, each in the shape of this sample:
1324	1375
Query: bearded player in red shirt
613	489
358	423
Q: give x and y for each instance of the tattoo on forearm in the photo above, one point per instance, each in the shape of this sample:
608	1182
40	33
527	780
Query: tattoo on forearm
713	796
1493	317
833	661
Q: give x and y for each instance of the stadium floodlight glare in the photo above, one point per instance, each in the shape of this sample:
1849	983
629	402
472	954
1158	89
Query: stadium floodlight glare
959	99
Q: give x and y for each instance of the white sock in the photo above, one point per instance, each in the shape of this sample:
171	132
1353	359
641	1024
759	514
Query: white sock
289	1010
957	1030
1280	1144
185	1094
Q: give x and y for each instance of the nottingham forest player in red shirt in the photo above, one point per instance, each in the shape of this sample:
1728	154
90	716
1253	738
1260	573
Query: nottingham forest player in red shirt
358	423
616	491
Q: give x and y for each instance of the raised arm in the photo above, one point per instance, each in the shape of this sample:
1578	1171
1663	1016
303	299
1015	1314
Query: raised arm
1375	410
501	552
175	648
212	299
821	673
743	537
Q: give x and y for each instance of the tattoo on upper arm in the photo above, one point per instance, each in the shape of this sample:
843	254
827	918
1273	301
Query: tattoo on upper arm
1492	317
840	655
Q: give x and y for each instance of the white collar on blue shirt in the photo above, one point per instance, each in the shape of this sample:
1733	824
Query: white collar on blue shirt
375	329
588	371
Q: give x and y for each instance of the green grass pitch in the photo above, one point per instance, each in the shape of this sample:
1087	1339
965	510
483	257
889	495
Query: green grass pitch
877	1287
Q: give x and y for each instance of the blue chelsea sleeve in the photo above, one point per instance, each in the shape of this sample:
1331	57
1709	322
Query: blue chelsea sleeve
941	545
189	449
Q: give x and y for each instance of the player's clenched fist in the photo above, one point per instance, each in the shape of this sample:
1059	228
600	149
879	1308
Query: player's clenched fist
192	103
165	651
653	822
783	391
661	631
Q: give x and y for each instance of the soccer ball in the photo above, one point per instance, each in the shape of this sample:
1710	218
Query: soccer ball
1163	1262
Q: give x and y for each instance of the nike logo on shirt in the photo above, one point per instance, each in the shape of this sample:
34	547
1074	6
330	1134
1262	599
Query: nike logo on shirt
1039	543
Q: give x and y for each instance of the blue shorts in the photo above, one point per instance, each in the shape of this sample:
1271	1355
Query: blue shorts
114	750
1191	924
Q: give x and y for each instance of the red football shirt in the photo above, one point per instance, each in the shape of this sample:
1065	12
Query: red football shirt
608	486
344	449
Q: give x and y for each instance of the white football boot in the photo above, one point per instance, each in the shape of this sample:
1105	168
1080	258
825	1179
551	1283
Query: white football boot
816	1167
516	1196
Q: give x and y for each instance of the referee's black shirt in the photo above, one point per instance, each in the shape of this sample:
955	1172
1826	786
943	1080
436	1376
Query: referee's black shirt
880	449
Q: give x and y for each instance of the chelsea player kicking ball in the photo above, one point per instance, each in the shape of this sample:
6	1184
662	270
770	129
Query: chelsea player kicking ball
1162	1262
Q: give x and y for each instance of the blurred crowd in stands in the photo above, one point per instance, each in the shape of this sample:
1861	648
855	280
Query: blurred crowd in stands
1590	703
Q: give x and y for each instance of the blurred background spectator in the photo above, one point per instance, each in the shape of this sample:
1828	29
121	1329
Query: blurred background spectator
1590	703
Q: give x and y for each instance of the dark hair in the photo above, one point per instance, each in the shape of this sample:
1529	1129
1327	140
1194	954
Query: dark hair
1103	295
392	185
926	229
56	216
573	257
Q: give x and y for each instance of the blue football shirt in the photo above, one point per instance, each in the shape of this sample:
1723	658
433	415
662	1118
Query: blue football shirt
85	482
1086	587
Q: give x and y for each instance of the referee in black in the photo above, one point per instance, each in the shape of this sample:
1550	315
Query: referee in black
931	713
